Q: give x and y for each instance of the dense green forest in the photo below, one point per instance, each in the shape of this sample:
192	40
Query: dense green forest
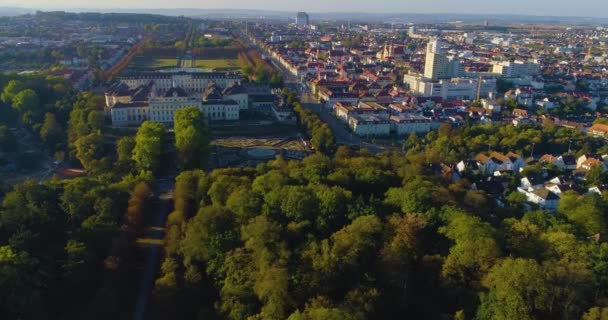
38	104
66	246
372	237
362	236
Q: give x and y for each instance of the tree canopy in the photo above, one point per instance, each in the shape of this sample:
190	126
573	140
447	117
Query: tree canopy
192	137
149	145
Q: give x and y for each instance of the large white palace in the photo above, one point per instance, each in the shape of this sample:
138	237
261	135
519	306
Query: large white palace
157	95
190	80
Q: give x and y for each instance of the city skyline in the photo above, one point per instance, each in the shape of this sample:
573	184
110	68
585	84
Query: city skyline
583	8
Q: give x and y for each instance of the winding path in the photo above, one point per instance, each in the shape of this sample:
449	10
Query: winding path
152	243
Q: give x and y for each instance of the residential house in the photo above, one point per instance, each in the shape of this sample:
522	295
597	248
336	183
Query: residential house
520	113
468	166
496	161
598	130
545	103
494	186
543	197
559	189
531	182
600	190
564	162
588	161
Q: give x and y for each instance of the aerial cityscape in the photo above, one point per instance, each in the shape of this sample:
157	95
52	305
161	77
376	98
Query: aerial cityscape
304	161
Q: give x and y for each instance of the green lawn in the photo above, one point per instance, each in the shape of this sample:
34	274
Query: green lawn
217	64
146	62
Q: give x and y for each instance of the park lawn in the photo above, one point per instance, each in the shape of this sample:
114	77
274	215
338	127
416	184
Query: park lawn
146	62
217	64
218	53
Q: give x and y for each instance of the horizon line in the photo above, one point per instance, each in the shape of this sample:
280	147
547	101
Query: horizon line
109	10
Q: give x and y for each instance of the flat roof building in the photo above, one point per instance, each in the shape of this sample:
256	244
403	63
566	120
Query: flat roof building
516	69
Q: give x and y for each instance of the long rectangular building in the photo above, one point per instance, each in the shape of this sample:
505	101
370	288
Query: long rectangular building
449	89
516	69
192	82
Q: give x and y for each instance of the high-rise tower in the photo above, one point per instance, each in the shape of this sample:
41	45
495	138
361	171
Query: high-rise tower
302	19
436	65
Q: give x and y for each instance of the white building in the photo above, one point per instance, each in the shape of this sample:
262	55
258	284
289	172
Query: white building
455	88
496	161
490	104
157	96
566	162
345	110
366	125
216	107
516	69
162	109
404	124
221	110
545	103
468	165
237	93
436	65
130	114
123	94
191	81
283	114
543	197
331	97
412	31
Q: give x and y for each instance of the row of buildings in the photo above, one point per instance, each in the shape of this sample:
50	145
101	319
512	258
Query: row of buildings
539	188
452	75
374	119
444	76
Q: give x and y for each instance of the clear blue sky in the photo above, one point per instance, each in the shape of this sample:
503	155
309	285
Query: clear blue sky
595	8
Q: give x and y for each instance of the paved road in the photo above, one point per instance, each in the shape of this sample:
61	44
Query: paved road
187	61
341	131
161	208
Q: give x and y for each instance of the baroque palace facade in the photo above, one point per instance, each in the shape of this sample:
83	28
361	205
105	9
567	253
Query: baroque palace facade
157	95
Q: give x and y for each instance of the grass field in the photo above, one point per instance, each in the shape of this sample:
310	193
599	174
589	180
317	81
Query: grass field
147	62
217	53
217	64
